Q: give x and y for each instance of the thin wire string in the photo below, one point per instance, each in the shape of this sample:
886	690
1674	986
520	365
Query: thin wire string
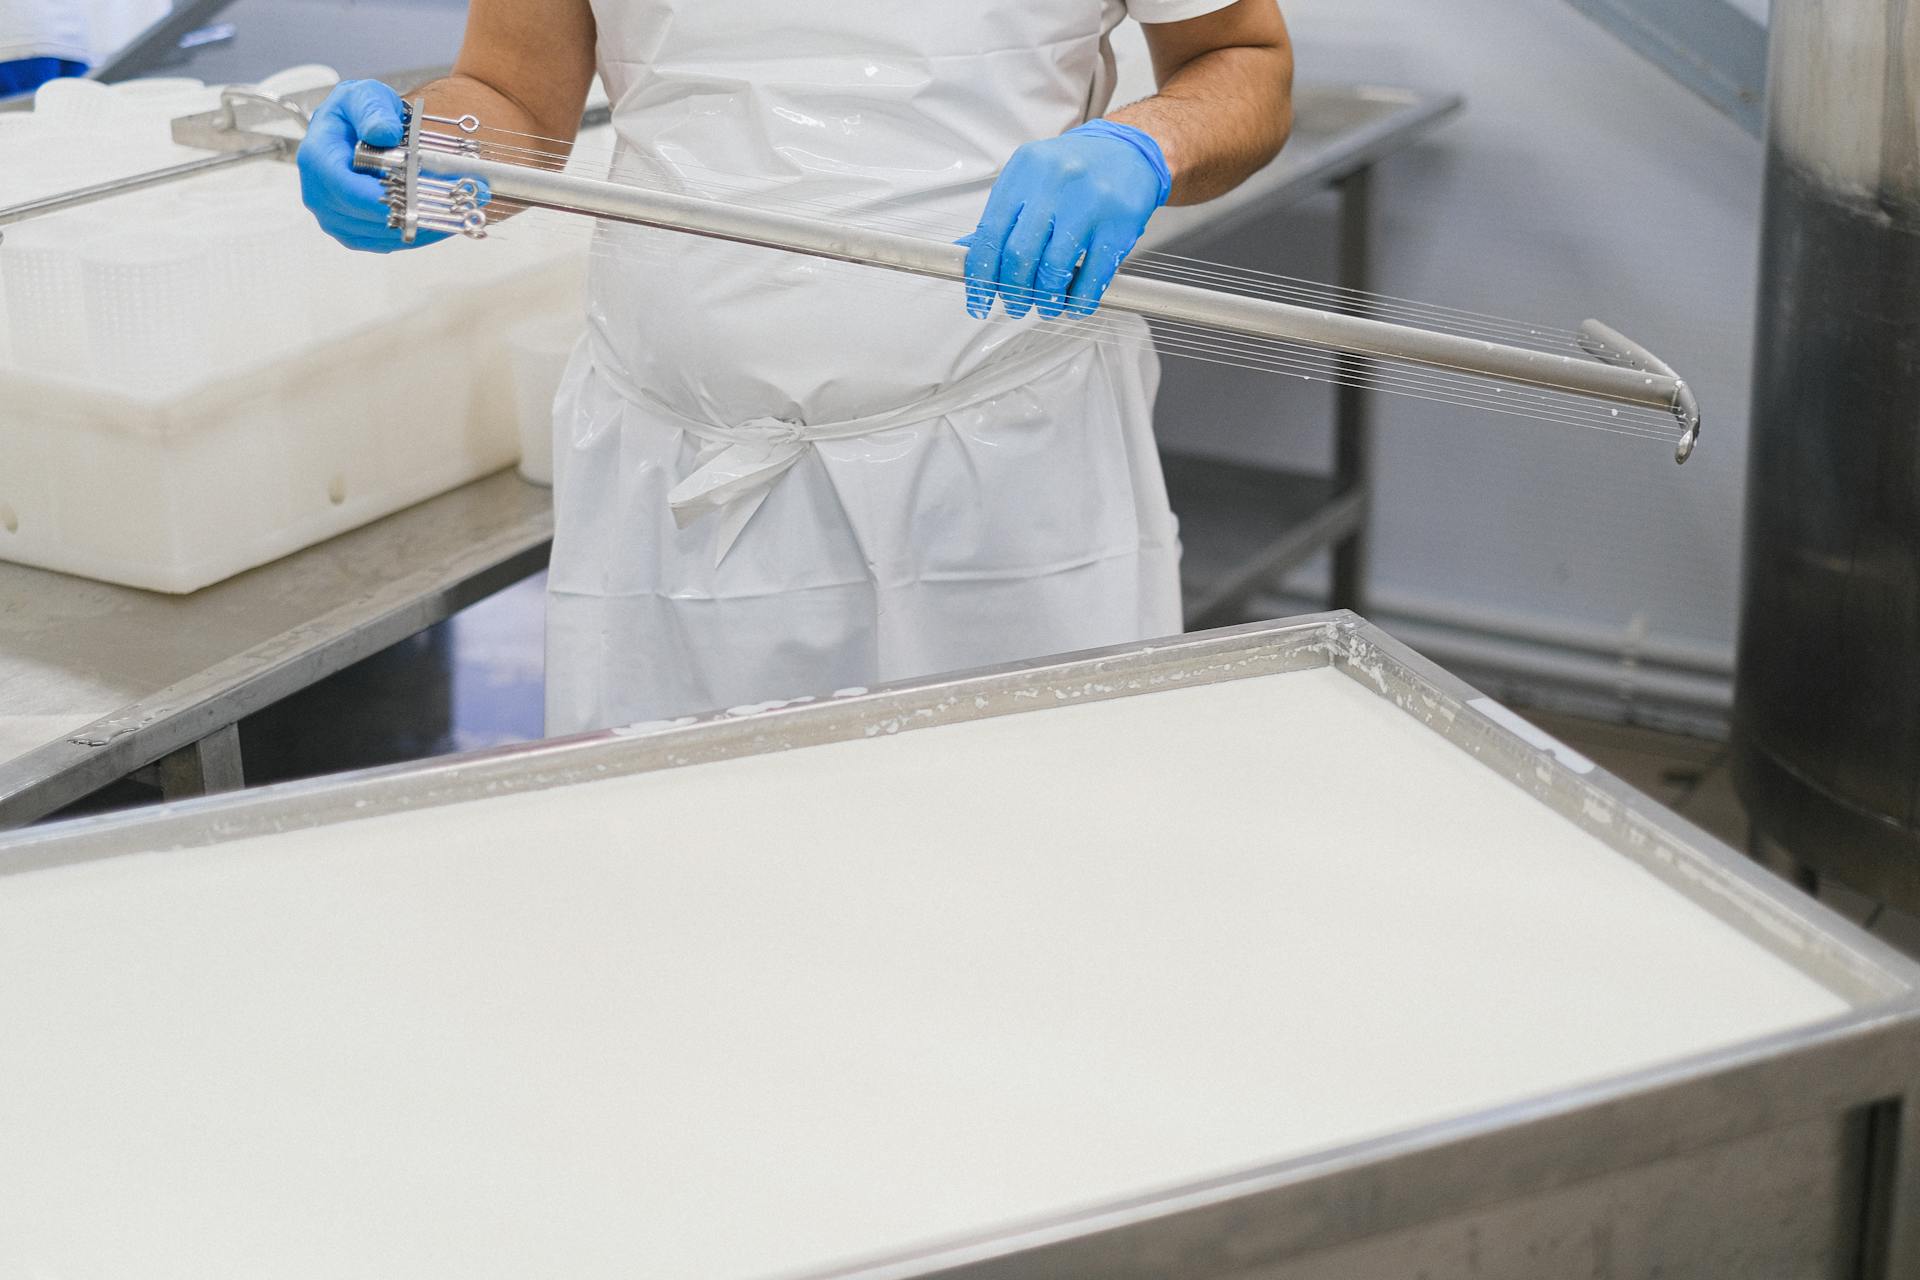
1383	355
1229	338
1186	340
1369	298
1160	263
1217	279
1272	354
1413	379
674	169
1167	265
1300	296
1235	280
1236	343
1310	363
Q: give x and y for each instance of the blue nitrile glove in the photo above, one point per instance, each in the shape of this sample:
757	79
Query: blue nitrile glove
348	204
1064	214
24	75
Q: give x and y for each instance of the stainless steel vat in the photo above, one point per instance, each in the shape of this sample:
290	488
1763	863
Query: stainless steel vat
1791	1157
1827	715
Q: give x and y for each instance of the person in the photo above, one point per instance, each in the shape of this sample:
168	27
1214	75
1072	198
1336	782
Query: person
776	476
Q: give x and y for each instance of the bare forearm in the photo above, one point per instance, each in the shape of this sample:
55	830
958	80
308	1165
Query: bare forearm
524	68
504	123
498	112
1225	104
523	73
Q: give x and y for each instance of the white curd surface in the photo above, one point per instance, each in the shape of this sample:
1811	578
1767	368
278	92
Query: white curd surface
755	1018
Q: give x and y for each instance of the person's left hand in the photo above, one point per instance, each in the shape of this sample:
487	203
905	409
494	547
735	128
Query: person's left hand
1062	217
349	205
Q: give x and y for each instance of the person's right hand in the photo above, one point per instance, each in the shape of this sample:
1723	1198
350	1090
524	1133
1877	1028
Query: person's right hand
350	205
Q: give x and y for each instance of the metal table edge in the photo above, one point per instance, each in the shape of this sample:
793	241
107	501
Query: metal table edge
1332	1197
1422	112
1334	519
1729	885
449	779
1702	867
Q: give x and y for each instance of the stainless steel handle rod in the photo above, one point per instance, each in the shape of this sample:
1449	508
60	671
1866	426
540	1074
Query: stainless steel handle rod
1158	299
137	182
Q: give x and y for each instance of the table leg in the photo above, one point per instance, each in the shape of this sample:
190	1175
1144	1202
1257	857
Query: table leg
1891	1226
1777	859
208	766
1353	407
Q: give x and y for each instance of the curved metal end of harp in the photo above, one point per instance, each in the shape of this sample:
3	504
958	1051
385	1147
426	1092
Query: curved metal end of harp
1686	410
1610	346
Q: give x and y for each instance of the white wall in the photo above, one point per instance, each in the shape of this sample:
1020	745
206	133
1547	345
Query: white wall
1580	182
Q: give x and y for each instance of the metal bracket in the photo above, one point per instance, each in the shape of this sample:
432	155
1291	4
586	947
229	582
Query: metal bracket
1608	345
415	200
242	121
410	176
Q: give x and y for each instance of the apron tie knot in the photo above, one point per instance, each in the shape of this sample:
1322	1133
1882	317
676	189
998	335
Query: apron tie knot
780	430
737	465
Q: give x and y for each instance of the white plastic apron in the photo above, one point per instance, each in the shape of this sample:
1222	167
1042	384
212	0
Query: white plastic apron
776	477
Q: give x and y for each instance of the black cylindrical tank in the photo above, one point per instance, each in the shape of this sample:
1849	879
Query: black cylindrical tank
1827	703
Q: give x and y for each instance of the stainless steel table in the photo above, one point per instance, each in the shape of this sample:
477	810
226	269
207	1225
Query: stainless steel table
1242	526
148	678
98	682
1789	1155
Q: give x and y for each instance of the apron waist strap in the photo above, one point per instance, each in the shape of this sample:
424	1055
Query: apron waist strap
739	464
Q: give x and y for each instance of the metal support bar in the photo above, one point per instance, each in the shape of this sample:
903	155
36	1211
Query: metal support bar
1899	1224
1708	46
1353	398
1335	523
410	173
203	768
1887	1237
137	182
1159	299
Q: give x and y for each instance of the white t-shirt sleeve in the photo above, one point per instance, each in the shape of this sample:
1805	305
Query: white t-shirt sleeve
1172	10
